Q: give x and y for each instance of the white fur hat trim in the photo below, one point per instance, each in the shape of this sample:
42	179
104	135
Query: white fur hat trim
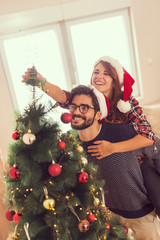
123	106
101	101
115	63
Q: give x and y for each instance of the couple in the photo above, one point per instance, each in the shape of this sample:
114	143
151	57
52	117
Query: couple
124	190
125	193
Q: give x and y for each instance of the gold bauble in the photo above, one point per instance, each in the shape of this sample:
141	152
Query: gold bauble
83	225
12	237
49	203
84	161
96	202
6	166
29	138
79	149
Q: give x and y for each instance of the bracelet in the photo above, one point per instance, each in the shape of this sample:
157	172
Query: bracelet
41	84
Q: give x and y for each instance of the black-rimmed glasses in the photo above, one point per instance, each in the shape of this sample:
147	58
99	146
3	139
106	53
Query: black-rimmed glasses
83	108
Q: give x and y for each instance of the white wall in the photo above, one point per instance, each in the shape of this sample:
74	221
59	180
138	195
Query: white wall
147	25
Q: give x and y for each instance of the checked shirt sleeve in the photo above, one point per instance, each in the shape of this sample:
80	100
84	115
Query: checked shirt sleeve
139	120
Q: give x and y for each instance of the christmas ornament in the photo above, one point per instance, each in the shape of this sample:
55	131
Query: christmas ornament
54	169
108	226
61	145
84	161
91	217
6	166
48	203
15	135
66	117
79	149
12	237
17	217
83	177
13	172
83	225
96	202
29	138
125	229
26	227
10	215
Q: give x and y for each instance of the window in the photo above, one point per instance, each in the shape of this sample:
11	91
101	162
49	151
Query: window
64	52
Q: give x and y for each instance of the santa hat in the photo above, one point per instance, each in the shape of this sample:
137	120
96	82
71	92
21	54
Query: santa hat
125	79
103	102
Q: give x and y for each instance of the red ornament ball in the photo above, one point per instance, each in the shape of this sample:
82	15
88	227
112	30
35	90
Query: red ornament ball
91	217
108	226
66	117
13	172
17	217
15	135
125	229
83	177
61	145
10	215
54	169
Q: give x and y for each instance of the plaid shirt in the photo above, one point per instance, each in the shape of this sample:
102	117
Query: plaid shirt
135	116
138	120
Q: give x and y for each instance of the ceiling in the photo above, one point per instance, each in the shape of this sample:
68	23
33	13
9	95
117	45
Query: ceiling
11	6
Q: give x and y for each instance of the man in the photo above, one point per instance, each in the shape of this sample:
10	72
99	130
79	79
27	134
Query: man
125	192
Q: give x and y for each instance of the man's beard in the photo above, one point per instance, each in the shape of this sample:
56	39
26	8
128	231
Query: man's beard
84	125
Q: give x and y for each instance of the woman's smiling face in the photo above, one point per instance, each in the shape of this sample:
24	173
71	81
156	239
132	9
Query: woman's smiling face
101	80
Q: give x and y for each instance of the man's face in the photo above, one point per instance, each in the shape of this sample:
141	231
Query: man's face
82	121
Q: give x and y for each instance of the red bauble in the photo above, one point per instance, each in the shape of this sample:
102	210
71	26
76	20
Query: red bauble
10	215
15	135
54	169
61	145
17	217
91	217
13	172
66	117
108	226
125	229
83	177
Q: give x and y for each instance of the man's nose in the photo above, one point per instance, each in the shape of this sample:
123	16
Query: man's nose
77	111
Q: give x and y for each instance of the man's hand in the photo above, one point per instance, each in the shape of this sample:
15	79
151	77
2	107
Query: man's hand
101	149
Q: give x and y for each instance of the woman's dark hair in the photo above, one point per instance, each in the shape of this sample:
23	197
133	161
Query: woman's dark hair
116	94
82	89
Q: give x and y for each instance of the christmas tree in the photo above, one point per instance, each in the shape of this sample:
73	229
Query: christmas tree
53	193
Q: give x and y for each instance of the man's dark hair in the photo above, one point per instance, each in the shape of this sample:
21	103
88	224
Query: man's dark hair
82	89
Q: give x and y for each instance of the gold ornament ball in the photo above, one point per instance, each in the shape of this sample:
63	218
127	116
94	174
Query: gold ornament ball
49	203
83	225
96	202
84	161
6	166
80	149
29	138
12	237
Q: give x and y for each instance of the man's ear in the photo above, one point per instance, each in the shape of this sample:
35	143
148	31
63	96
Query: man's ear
98	115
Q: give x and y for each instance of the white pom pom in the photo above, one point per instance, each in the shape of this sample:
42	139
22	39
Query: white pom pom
123	106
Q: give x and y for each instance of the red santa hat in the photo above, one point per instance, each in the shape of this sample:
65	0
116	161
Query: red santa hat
125	79
103	102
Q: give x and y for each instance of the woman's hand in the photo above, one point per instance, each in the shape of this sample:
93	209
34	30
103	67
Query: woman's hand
39	79
25	77
101	149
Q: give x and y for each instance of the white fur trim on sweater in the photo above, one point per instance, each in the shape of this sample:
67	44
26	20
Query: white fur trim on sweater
115	63
101	101
123	106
